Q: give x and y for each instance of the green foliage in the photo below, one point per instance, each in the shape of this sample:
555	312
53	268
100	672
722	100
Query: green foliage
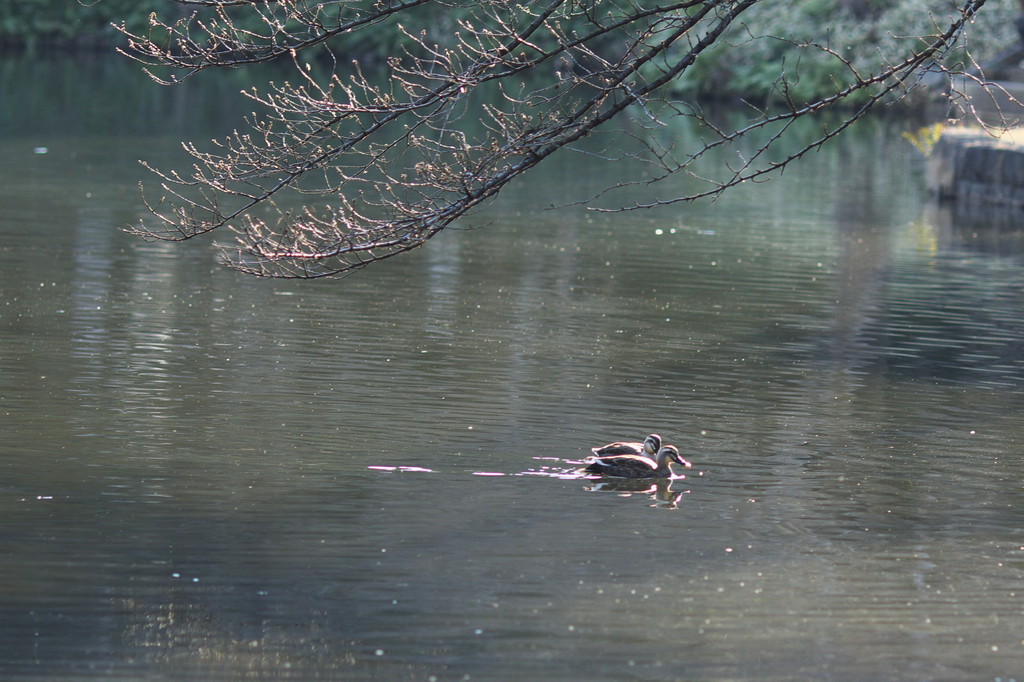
924	139
783	50
806	48
70	23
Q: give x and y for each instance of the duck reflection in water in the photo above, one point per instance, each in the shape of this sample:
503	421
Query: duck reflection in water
659	489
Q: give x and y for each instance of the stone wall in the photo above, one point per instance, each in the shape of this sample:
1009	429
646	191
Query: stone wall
972	165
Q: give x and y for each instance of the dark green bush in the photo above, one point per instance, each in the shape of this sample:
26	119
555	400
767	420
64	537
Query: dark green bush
70	23
772	39
809	40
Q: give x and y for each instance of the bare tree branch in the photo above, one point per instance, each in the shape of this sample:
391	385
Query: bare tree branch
349	167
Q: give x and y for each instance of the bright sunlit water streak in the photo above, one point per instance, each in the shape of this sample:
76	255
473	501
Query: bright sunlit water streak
211	476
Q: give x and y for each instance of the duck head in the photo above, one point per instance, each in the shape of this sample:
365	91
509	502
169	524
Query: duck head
652	444
670	453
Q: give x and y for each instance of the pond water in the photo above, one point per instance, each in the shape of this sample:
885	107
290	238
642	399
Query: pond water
208	476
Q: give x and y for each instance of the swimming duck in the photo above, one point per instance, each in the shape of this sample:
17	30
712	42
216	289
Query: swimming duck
649	447
638	466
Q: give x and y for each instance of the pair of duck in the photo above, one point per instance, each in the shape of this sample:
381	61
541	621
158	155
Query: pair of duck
649	459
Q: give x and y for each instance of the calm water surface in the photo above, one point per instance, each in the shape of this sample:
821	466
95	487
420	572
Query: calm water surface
207	476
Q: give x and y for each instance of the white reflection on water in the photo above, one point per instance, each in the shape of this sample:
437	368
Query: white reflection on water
402	469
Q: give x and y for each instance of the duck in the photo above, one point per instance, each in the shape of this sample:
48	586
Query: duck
638	466
649	447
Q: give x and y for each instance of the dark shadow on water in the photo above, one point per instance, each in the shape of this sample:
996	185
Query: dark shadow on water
938	303
975	227
97	93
